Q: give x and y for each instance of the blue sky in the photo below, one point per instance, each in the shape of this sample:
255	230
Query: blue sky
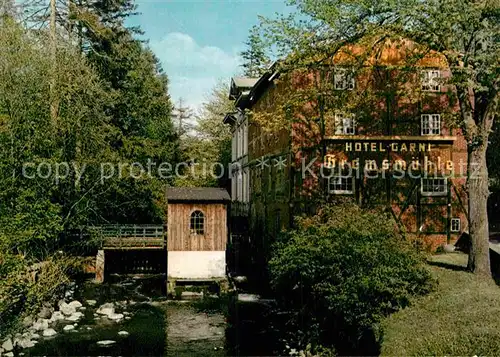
198	41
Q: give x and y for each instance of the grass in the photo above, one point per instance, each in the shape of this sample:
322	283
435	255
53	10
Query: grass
460	318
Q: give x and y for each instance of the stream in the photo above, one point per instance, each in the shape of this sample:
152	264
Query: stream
151	325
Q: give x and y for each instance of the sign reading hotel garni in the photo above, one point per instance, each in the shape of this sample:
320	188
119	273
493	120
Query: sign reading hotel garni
387	146
416	163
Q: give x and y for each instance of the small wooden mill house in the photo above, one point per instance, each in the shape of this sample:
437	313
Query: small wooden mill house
197	232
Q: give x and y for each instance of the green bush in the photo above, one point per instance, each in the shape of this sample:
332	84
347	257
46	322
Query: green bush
339	272
25	286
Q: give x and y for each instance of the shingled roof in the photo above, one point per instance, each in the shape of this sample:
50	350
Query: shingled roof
197	194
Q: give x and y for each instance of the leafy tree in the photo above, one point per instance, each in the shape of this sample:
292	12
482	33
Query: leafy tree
211	141
34	209
182	116
465	32
255	59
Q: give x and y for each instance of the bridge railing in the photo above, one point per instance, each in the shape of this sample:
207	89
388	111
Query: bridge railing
132	236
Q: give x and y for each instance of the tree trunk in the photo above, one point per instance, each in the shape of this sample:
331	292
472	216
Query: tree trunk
477	177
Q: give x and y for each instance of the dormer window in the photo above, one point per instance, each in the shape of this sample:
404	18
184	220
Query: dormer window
343	79
430	80
345	124
431	124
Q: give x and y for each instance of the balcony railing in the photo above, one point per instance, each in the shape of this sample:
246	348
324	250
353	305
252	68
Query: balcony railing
130	236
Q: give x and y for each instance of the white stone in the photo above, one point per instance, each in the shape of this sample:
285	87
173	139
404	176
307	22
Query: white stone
91	302
127	317
7	345
67	309
9	354
41	324
106	309
16	341
248	297
35	336
68	327
106	342
27	321
75	317
115	316
25	343
76	304
89	328
449	248
123	333
240	279
56	316
45	311
49	332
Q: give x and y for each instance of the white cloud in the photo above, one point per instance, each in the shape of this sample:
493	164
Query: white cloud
193	69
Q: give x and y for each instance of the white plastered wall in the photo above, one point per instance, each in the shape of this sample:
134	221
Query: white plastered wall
196	264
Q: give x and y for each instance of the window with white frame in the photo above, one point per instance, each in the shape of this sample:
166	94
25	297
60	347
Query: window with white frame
431	124
233	145
197	223
455	225
343	79
240	142
246	186
243	186
233	188
245	139
345	124
340	184
434	186
430	80
239	186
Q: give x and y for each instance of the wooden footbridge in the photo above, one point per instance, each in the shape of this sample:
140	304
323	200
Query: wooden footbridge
115	238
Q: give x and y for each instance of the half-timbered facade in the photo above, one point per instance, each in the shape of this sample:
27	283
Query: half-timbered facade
376	134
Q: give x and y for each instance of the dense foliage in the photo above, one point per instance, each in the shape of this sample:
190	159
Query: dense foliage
340	272
77	111
26	289
255	58
208	146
